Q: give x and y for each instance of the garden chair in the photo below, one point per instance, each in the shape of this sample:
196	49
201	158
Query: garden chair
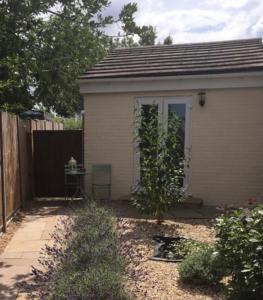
101	181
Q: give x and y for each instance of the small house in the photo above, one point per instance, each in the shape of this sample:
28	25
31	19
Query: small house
216	87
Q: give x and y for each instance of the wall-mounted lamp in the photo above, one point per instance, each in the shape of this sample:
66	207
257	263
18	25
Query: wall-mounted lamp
201	96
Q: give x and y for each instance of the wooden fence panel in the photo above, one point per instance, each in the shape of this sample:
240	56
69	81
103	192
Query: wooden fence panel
33	124
16	162
2	204
49	125
55	126
52	150
10	163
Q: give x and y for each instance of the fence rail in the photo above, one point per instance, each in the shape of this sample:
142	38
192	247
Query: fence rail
16	162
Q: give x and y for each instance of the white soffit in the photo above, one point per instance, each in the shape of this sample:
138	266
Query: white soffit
218	81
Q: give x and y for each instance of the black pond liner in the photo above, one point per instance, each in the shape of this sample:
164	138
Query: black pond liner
162	251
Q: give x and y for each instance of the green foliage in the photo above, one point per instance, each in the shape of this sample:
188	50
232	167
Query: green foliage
203	267
147	34
87	259
46	45
161	162
239	240
168	40
72	124
126	16
185	247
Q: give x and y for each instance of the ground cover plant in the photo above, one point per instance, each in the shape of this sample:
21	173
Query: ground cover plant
202	267
161	151
84	262
185	247
175	248
239	241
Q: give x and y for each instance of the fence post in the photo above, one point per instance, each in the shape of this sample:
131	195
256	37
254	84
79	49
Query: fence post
2	175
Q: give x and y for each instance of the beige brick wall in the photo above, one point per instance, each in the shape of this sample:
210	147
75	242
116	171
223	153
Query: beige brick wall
108	138
227	142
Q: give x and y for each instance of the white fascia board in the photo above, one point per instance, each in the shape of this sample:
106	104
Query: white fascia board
171	83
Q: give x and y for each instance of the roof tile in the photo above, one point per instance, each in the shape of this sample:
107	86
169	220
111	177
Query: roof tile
181	59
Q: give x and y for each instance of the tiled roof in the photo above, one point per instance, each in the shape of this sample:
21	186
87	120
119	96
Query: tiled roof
182	59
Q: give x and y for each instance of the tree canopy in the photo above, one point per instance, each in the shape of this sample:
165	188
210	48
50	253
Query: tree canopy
46	44
168	40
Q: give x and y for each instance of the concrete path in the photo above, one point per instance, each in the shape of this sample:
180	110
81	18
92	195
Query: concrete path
24	248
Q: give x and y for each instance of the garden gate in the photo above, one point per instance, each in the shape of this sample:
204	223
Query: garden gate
52	150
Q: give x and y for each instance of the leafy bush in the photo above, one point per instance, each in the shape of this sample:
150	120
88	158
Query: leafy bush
239	236
84	262
202	267
72	124
161	162
184	247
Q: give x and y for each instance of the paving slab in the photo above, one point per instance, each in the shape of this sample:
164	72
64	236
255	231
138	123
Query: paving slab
23	250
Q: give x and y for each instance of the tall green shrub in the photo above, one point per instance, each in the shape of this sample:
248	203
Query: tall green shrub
161	150
239	240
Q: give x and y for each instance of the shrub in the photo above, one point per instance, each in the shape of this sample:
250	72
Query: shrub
85	262
184	247
202	267
73	124
161	154
239	240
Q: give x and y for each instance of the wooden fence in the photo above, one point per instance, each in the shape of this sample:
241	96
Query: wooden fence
16	162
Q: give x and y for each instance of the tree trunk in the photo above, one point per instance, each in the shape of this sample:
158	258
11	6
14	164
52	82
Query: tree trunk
159	216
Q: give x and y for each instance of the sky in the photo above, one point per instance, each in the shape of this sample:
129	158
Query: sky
190	21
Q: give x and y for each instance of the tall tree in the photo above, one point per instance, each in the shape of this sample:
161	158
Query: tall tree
146	34
168	40
46	44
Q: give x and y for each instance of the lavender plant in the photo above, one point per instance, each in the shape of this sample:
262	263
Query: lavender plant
161	150
85	261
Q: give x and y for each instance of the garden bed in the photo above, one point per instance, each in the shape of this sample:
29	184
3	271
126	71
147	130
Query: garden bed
160	280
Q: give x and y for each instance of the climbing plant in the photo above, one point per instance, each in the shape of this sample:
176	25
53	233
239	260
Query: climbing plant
160	148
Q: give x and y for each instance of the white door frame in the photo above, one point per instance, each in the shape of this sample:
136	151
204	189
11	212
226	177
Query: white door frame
163	103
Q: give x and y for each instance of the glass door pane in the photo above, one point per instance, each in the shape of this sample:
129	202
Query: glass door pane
176	134
148	132
180	107
149	114
164	108
179	110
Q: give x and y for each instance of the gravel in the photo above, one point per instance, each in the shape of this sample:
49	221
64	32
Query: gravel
160	280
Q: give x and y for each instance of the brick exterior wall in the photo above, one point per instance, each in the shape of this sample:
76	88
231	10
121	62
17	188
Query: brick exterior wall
227	142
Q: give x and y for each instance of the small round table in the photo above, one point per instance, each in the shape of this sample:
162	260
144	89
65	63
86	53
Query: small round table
80	191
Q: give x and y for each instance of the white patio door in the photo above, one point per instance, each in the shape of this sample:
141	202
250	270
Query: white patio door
164	105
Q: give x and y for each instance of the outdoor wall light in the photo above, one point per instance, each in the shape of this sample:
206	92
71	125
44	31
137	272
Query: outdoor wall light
201	96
